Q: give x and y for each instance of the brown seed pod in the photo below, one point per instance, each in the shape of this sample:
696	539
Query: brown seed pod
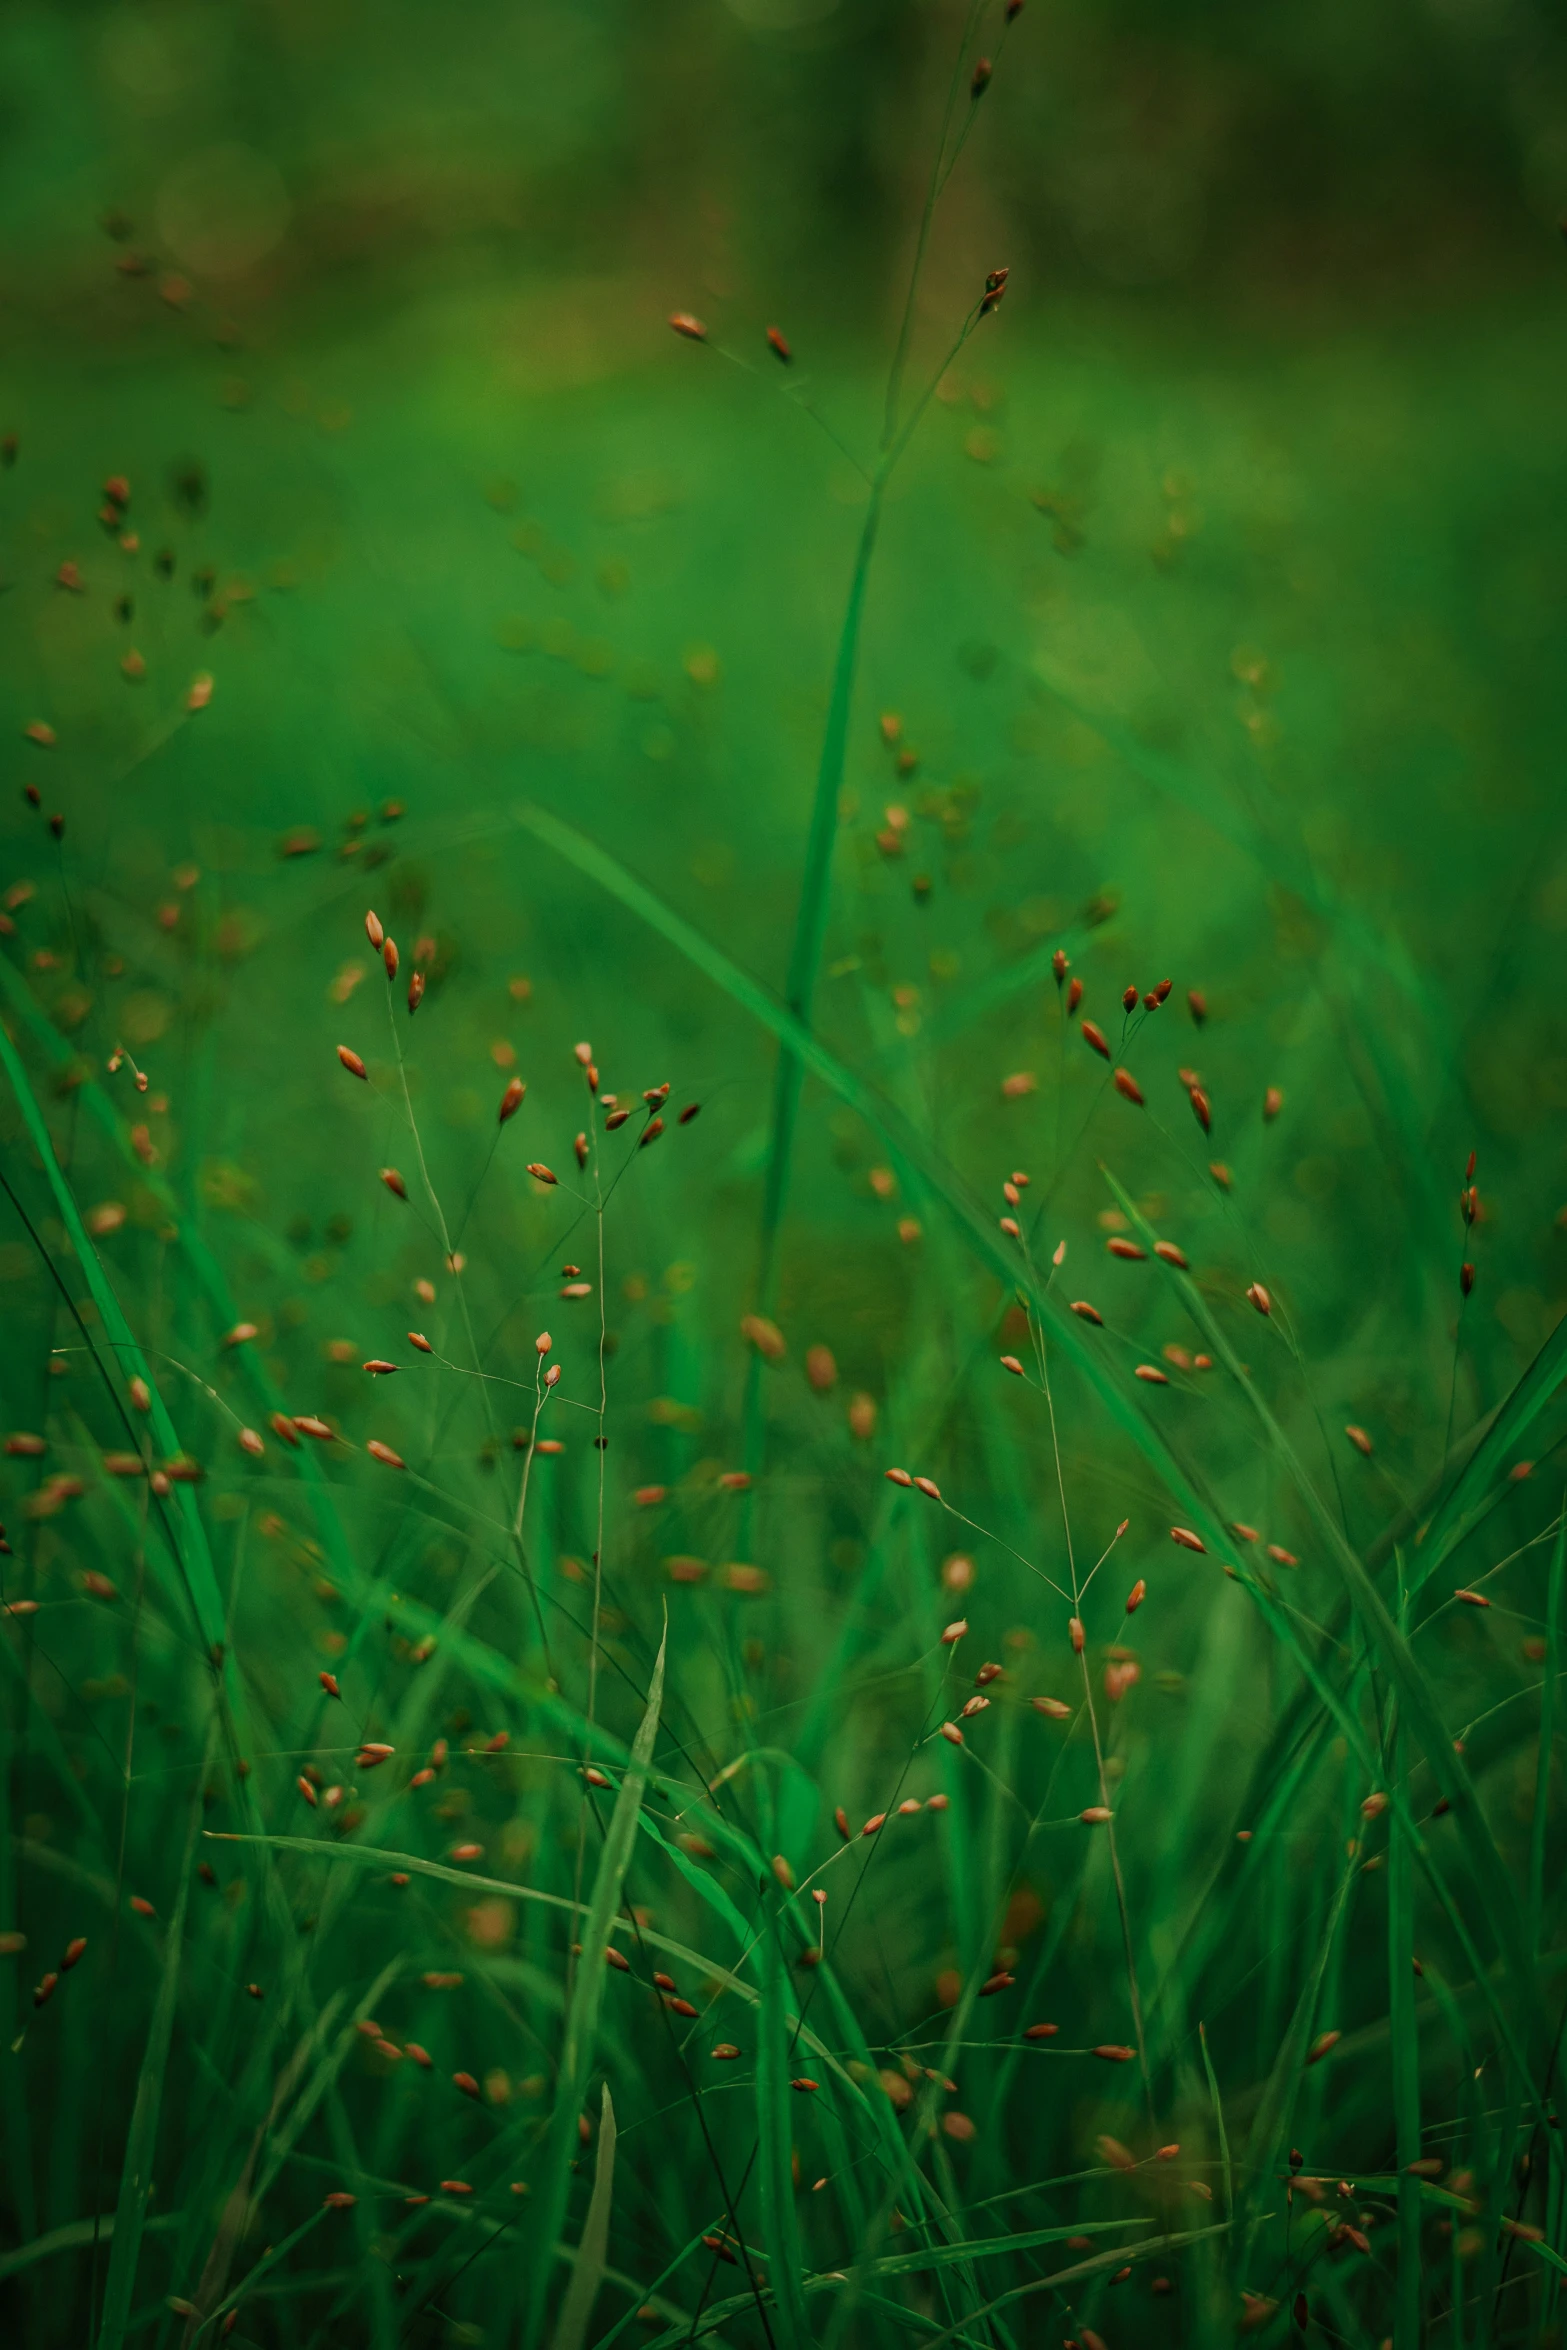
1201	1109
389	957
691	328
1272	1103
1113	2052
415	990
1040	2031
1074	996
383	1452
1260	1298
1127	1085
379	1368
418	1339
1185	1539
1171	1254
1088	1313
650	1133
1136	1596
1151	1374
1127	1249
1011	1363
777	344
540	1173
1094	1037
1359	1439
511	1101
375	930
466	2083
352	1063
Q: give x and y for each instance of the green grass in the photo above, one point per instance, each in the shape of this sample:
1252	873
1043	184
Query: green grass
1187	641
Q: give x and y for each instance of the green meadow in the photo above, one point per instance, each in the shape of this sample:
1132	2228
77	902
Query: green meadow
783	1250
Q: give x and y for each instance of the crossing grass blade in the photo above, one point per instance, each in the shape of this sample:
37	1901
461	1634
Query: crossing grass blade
1478	1487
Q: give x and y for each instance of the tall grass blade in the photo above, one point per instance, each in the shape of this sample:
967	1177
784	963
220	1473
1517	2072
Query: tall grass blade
142	2142
576	2309
580	2039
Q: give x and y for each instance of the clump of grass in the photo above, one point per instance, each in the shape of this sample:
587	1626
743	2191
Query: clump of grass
598	1747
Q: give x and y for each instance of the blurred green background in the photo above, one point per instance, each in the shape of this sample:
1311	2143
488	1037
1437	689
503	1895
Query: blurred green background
1218	602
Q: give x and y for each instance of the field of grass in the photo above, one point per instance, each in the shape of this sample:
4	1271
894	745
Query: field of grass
782	1253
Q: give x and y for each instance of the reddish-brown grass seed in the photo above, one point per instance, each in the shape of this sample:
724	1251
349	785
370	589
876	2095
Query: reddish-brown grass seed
725	2052
1096	1815
420	2056
1201	1108
1052	1708
1260	1298
1128	999
1171	1254
371	1757
1360	1440
1466	1279
418	1339
1320	2047
1186	1539
1011	1363
877	1820
415	990
328	1682
511	1101
142	1906
1272	1103
378	1367
806	2087
898	1477
1127	1085
929	1487
99	1586
765	1336
1152	1374
1095	1039
467	1852
375	931
691	1110
44	1991
1113	2052
283	1427
680	2007
1088	1313
74	1952
650	1133
1021	1083
389	957
685	324
1472	1598
309	1425
239	1334
1282	1557
995	1984
466	2083
249	1440
307	1791
840	1820
1136	1596
339	2200
383	1452
541	1173
1009	1226
1076	1634
1128	1249
952	1734
955	1632
1040	2031
352	1063
595	1778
